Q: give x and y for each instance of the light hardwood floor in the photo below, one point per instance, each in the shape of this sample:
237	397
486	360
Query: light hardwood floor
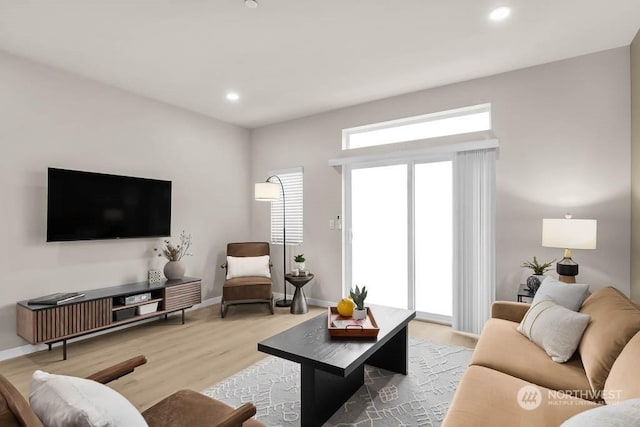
196	355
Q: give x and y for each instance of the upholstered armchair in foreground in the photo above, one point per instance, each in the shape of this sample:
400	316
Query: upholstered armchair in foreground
248	278
183	408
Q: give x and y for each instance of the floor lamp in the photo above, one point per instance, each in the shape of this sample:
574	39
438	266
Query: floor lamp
270	192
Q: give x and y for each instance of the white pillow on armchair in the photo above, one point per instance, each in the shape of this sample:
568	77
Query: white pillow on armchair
246	266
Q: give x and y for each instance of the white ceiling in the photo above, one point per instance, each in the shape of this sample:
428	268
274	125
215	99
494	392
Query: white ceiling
292	58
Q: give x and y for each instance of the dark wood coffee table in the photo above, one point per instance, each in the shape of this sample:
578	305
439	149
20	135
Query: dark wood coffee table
333	369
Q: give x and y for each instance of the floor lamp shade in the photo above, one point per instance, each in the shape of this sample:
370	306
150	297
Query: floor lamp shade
267	191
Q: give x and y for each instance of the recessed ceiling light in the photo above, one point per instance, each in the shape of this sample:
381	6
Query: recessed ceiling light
251	4
500	13
233	96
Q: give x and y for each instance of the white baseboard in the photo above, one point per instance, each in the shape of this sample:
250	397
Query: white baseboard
23	350
320	302
432	318
311	301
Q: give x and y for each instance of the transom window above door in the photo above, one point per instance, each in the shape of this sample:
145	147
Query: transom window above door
451	122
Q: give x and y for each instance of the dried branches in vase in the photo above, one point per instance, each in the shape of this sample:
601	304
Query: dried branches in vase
176	252
174	269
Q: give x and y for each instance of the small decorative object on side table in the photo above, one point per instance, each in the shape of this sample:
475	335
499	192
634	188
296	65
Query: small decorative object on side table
300	262
299	301
524	292
534	281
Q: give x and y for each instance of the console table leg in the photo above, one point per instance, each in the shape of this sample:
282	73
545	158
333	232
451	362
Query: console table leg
64	349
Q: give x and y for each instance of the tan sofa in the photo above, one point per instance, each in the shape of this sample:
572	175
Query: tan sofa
602	371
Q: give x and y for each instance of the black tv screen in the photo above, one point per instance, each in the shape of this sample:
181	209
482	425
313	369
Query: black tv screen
90	206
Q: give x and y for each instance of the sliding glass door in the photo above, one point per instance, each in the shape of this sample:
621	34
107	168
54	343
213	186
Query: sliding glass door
379	233
399	234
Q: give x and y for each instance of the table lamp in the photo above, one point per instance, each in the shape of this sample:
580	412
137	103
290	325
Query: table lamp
569	234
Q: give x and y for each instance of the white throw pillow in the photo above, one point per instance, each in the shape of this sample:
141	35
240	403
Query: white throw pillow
554	328
621	414
60	400
569	295
244	266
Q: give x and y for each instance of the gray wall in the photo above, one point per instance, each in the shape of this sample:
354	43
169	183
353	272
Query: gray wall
564	131
635	168
51	118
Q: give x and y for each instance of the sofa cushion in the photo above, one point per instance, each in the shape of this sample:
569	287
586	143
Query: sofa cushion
614	321
486	397
187	408
569	295
503	348
554	328
625	414
623	381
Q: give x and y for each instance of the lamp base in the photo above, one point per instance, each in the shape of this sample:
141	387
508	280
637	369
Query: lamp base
283	303
567	279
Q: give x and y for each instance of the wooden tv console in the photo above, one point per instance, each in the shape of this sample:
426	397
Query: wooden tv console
98	310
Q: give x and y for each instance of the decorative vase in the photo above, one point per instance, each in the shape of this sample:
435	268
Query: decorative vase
534	282
300	265
359	314
174	270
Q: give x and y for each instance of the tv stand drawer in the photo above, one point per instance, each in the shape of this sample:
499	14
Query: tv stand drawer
182	296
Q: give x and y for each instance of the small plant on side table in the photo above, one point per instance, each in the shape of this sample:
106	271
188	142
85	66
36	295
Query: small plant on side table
300	261
358	296
533	282
538	269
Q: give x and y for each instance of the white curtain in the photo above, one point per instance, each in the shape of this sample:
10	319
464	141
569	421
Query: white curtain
474	239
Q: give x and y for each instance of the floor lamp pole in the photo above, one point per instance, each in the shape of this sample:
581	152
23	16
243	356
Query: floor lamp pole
283	302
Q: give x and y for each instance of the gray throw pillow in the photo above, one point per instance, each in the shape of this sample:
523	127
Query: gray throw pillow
554	328
569	295
622	414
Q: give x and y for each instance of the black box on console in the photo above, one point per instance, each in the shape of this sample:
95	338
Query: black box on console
125	313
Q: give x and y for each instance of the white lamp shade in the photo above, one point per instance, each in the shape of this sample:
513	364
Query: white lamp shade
569	233
267	191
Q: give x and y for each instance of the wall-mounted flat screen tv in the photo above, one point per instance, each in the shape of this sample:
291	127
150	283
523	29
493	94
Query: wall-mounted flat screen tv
91	206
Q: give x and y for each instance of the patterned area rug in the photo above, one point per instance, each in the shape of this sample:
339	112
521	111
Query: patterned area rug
386	399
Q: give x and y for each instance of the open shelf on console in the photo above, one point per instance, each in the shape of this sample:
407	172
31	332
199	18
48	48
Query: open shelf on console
121	307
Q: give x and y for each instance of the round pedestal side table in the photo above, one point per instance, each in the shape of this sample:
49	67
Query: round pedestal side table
299	301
